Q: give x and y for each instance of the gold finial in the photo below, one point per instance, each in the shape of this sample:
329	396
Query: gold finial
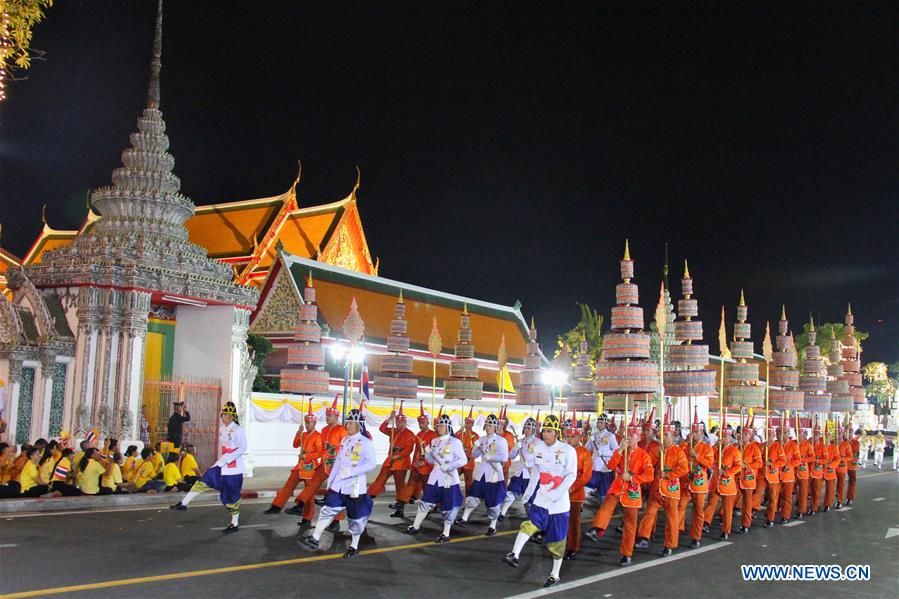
811	326
299	174
783	311
465	309
358	181
742	298
377	264
686	270
849	310
44	215
533	326
627	250
309	279
833	334
400	300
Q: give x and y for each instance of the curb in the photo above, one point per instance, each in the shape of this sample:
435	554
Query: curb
63	504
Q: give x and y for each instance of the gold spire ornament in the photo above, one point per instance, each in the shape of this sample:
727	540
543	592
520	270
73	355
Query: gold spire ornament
435	343
722	338
767	348
627	250
686	270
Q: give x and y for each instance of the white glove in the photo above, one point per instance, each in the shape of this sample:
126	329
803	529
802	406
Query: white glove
427	449
344	472
446	468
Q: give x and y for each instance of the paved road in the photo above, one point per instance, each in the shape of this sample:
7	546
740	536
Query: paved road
155	553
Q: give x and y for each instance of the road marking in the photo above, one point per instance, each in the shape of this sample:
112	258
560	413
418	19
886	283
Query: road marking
245	526
880	499
93	586
843	509
122	509
8	545
875	474
794	523
891	532
567	586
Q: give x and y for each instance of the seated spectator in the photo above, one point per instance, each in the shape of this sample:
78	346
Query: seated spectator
145	477
158	460
7	462
130	462
48	461
29	479
190	471
111	482
171	476
64	475
83	446
20	461
89	472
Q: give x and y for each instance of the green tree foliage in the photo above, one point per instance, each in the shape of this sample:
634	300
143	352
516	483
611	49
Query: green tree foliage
881	385
589	326
19	18
260	348
824	338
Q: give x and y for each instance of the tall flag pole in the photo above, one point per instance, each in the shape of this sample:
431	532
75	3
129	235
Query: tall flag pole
435	345
661	324
725	353
502	356
768	353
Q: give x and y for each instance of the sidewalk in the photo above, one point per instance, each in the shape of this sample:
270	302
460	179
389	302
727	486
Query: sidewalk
264	484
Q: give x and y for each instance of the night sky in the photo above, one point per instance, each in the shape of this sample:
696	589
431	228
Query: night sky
508	149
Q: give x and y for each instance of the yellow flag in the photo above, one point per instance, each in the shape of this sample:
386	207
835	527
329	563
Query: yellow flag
722	337
504	381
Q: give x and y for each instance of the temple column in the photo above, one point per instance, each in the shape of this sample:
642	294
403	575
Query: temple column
239	384
40	423
110	325
131	364
15	381
88	312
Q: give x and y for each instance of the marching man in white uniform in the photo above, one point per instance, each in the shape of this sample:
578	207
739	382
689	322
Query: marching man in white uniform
489	481
347	485
226	475
520	481
602	445
555	470
447	455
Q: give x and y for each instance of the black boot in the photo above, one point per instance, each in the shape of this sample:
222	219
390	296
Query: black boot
593	534
569	555
295	510
398	511
272	510
624	561
667	551
641	544
334	526
695	544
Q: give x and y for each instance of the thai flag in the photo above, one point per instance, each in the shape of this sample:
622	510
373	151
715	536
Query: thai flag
60	473
363	382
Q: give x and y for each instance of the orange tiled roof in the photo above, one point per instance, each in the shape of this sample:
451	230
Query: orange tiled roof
229	229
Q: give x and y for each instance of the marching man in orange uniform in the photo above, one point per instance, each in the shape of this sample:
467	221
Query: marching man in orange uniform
331	436
788	473
774	461
468	438
309	442
398	459
633	468
806	454
817	470
421	468
831	461
576	493
847	456
511	440
700	459
723	483
852	469
752	463
665	492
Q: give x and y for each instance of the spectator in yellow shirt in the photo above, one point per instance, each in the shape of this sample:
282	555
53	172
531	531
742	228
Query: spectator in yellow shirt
190	471
89	472
48	461
63	475
29	479
111	482
144	478
7	462
130	462
171	476
158	459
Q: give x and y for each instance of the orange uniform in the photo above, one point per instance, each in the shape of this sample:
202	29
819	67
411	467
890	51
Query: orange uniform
639	465
421	469
803	474
577	495
398	459
724	487
331	437
468	440
831	461
788	478
752	463
776	460
307	462
846	458
695	486
666	493
852	469
510	443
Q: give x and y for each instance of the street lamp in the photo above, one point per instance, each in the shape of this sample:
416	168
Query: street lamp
349	357
554	378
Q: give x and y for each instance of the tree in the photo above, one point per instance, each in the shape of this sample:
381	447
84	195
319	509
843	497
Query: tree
260	348
880	385
589	326
823	338
17	19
